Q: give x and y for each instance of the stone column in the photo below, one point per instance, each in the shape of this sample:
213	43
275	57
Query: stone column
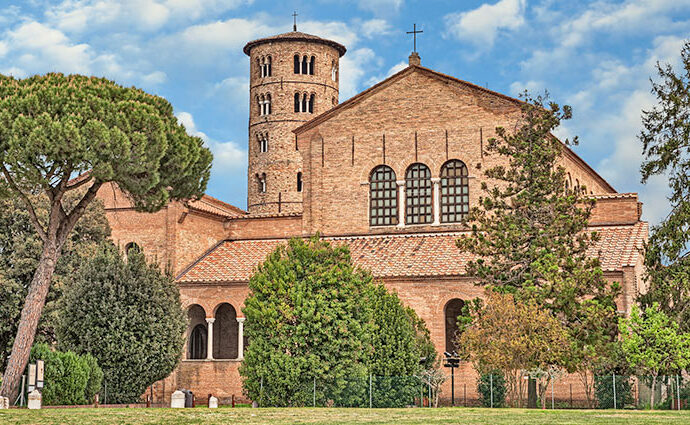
240	338
436	181
401	203
209	338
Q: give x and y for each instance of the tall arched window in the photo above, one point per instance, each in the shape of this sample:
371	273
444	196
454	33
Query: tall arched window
269	70
197	333
418	191
297	102
305	64
261	181
383	208
312	62
452	311
304	103
132	247
268	104
299	181
297	67
311	103
263	142
225	332
334	71
455	194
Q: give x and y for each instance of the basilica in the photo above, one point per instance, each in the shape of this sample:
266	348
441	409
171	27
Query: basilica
391	172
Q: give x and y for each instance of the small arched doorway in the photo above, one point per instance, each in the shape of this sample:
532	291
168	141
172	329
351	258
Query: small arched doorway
452	310
197	333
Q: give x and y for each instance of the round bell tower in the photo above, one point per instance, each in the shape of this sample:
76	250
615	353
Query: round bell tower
293	78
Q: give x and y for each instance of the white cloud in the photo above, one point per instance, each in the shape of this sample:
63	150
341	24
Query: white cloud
156	77
374	28
532	86
482	25
228	157
341	32
353	68
142	15
4	48
381	7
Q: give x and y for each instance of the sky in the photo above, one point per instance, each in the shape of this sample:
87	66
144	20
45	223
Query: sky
596	56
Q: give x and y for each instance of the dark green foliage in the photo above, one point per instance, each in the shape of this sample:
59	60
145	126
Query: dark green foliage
312	317
665	140
530	234
127	314
603	389
69	378
20	249
395	354
492	386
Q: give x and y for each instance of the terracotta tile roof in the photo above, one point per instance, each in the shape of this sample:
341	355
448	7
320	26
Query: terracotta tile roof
397	255
614	195
294	36
215	206
267	215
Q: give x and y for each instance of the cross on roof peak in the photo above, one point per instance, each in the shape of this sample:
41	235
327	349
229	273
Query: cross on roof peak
414	33
294	17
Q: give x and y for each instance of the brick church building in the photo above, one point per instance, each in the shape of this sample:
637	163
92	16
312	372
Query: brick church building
391	172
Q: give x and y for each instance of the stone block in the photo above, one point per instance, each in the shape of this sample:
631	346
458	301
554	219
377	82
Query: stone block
4	403
213	403
35	399
177	400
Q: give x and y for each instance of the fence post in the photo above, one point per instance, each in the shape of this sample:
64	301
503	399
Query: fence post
491	385
315	391
370	391
614	391
678	390
261	393
552	406
421	394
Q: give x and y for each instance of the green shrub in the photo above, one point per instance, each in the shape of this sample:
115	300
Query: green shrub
127	314
603	390
68	377
492	382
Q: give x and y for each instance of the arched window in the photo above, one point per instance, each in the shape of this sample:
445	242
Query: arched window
455	195
311	103
452	311
299	181
334	71
418	191
132	247
263	142
335	102
577	186
269	71
260	102
312	62
197	332
569	182
383	208
304	103
259	68
297	68
268	104
261	180
305	64
225	332
297	102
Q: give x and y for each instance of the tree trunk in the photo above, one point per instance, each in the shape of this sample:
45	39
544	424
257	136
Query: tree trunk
651	401
31	313
532	393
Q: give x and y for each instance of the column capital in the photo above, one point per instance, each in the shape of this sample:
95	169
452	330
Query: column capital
435	180
400	182
241	319
210	319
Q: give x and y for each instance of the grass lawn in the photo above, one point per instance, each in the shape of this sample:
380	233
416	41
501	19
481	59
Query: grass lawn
338	416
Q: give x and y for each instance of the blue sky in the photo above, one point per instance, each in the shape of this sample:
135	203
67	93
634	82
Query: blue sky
595	56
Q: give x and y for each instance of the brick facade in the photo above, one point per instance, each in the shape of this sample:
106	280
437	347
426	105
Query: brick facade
414	116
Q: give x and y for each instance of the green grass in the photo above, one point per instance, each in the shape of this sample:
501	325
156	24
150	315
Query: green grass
338	416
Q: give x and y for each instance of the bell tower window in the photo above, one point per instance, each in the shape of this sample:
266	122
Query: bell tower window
263	142
261	181
299	181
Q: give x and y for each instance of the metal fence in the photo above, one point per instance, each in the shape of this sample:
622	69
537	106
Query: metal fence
564	392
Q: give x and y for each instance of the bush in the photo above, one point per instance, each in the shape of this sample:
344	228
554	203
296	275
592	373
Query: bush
69	378
126	314
603	390
492	382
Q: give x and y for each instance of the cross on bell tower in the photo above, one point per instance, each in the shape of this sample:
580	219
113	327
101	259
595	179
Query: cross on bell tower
294	22
414	57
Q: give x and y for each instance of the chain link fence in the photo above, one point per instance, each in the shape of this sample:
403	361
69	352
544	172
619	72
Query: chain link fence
563	392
